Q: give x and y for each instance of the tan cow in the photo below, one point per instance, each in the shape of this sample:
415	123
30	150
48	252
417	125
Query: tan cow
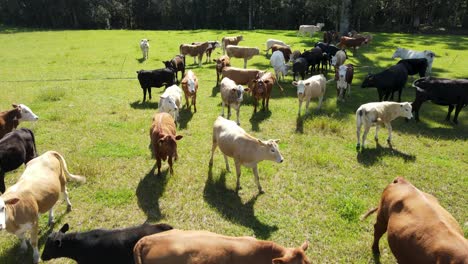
190	88
221	63
241	52
36	192
203	247
225	41
419	230
241	76
246	150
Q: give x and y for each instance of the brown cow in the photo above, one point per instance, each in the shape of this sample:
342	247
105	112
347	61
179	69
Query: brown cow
190	87
195	51
419	229
10	119
225	41
261	89
164	139
221	63
241	76
203	247
347	42
284	49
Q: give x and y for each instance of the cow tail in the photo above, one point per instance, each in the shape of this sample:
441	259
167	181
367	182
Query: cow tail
137	253
371	211
34	144
63	164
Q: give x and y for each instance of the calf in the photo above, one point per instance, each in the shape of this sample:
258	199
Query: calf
279	64
155	78
415	66
412	54
271	42
144	46
262	89
388	81
348	42
210	49
170	101
245	149
178	65
314	58
36	192
313	87
225	41
240	76
442	92
10	119
344	78
245	53
195	51
379	114
419	229
164	140
221	63
190	88
286	50
16	148
338	59
99	245
210	248
300	66
231	95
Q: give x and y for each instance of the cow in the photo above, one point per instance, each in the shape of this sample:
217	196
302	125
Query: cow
327	48
225	41
261	90
98	245
170	101
279	64
241	76
36	192
331	36
388	81
213	45
245	149
314	58
344	78
309	29
203	247
10	119
144	46
441	91
164	140
232	95
348	42
178	65
339	59
16	148
412	54
300	66
313	87
379	114
155	78
190	88
221	63
419	229
195	51
296	54
286	50
270	42
415	66
241	52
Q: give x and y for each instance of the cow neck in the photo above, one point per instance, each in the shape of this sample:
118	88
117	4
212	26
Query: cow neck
276	250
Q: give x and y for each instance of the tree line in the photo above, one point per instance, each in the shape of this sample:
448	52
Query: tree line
340	15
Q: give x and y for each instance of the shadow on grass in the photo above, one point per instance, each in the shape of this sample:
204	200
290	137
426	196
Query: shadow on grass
376	258
369	157
214	90
148	192
140	60
229	205
144	105
259	117
185	115
299	125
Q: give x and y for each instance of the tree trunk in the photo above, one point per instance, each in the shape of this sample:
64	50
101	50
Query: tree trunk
250	14
345	16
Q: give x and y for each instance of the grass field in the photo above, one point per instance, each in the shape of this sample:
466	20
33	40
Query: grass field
83	86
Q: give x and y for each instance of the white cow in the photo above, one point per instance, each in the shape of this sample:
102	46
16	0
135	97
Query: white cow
279	64
379	114
144	46
310	88
245	149
412	54
344	78
170	101
309	29
232	96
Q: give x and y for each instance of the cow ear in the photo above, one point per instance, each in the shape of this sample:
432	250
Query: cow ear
246	89
179	137
15	105
294	83
275	140
305	245
64	228
12	201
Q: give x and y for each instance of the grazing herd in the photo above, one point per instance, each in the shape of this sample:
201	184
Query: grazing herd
419	229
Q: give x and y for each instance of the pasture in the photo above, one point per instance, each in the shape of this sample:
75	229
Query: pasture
83	87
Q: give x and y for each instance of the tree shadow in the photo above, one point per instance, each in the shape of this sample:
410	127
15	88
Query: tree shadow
185	115
259	117
144	105
369	157
148	192
229	205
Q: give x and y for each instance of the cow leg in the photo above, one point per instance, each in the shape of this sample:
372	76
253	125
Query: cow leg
257	179
195	60
379	229
267	102
229	111
186	101
227	163
376	137
194	102
381	94
245	63
349	89
67	199
263	103
149	92
144	94
213	148
399	94
307	106
2	181
217	78
358	133
457	111
24	244
389	139
364	135
158	162
450	109
169	160
222	108
238	173
255	105
200	58
34	241
320	102
237	115
300	105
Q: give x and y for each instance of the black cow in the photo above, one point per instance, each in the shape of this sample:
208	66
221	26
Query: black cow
155	78
442	92
16	148
314	58
327	48
415	66
99	245
387	82
300	66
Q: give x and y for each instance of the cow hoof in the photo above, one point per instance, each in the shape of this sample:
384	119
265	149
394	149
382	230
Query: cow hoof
261	191
69	208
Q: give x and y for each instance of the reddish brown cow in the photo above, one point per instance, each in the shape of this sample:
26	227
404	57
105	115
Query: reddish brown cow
221	63
285	50
164	139
203	247
261	89
347	42
10	119
419	229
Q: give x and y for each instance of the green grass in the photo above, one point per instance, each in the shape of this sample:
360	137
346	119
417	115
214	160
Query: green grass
83	86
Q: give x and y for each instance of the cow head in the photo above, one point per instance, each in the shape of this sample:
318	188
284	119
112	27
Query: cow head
294	255
368	81
3	214
397	53
301	86
26	114
169	103
168	144
406	110
168	65
191	85
238	92
341	84
53	245
144	42
272	150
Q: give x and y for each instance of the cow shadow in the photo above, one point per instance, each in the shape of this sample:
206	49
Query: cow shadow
421	128
370	156
299	125
148	192
259	117
185	115
144	105
140	60
230	206
215	90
